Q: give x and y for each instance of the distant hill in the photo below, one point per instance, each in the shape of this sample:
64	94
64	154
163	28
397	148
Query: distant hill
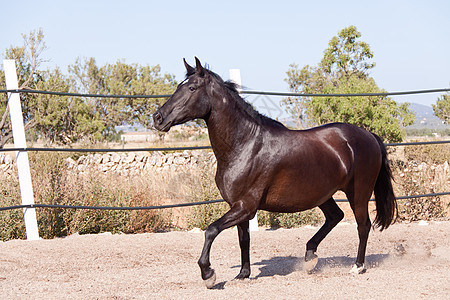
425	117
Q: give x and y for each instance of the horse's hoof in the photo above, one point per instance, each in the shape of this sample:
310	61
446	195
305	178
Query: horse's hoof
210	281
357	270
311	260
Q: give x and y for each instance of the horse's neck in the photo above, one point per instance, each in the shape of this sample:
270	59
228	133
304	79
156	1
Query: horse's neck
230	130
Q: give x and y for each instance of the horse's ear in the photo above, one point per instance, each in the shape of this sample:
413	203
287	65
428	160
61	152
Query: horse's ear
189	70
198	65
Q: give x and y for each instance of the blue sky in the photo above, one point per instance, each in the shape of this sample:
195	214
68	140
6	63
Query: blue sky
410	39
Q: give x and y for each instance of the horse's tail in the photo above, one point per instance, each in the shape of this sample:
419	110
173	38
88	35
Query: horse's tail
384	194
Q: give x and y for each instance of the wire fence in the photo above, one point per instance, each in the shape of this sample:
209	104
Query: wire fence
194	148
180	204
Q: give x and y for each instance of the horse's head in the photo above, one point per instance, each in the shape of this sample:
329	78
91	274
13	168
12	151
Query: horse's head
190	100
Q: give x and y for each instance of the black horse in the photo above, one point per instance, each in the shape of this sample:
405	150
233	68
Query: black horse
263	165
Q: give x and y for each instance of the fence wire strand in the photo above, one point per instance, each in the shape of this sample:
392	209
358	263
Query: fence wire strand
248	92
174	205
111	207
27	91
32	149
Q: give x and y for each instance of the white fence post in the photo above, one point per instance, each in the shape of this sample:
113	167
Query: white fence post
235	76
23	166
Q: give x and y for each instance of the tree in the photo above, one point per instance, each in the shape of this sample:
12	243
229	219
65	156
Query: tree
66	119
344	69
442	108
56	119
27	61
122	79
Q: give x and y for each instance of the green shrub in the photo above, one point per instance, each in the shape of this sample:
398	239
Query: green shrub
289	220
203	215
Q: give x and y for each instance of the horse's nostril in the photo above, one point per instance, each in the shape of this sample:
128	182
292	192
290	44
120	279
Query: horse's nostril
157	118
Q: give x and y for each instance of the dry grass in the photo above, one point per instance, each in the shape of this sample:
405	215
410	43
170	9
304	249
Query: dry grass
54	184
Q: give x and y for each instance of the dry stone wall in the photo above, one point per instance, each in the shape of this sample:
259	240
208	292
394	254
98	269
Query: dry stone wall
136	163
131	163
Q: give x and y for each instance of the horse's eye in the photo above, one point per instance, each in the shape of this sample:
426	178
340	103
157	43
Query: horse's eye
192	88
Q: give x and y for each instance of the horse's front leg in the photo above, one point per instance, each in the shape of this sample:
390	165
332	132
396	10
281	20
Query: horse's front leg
244	243
236	215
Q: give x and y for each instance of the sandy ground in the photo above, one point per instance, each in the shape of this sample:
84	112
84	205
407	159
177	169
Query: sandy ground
407	261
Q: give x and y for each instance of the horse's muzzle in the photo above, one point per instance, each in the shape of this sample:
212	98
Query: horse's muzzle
158	122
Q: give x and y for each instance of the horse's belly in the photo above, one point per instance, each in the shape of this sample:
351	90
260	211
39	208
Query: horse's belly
285	194
294	202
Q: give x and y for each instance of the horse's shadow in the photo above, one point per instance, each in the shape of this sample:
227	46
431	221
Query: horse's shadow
285	265
278	265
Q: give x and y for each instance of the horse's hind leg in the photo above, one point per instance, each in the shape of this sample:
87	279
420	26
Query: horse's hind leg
360	208
333	215
363	233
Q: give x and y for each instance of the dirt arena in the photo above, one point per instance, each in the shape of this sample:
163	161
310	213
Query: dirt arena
407	261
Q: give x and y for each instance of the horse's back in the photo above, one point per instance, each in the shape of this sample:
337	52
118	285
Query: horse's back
340	131
355	145
335	136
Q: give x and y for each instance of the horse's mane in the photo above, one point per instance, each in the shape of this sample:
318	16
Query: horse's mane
241	104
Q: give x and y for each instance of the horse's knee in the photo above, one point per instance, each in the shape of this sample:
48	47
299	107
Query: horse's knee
336	217
340	215
333	219
333	213
211	232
